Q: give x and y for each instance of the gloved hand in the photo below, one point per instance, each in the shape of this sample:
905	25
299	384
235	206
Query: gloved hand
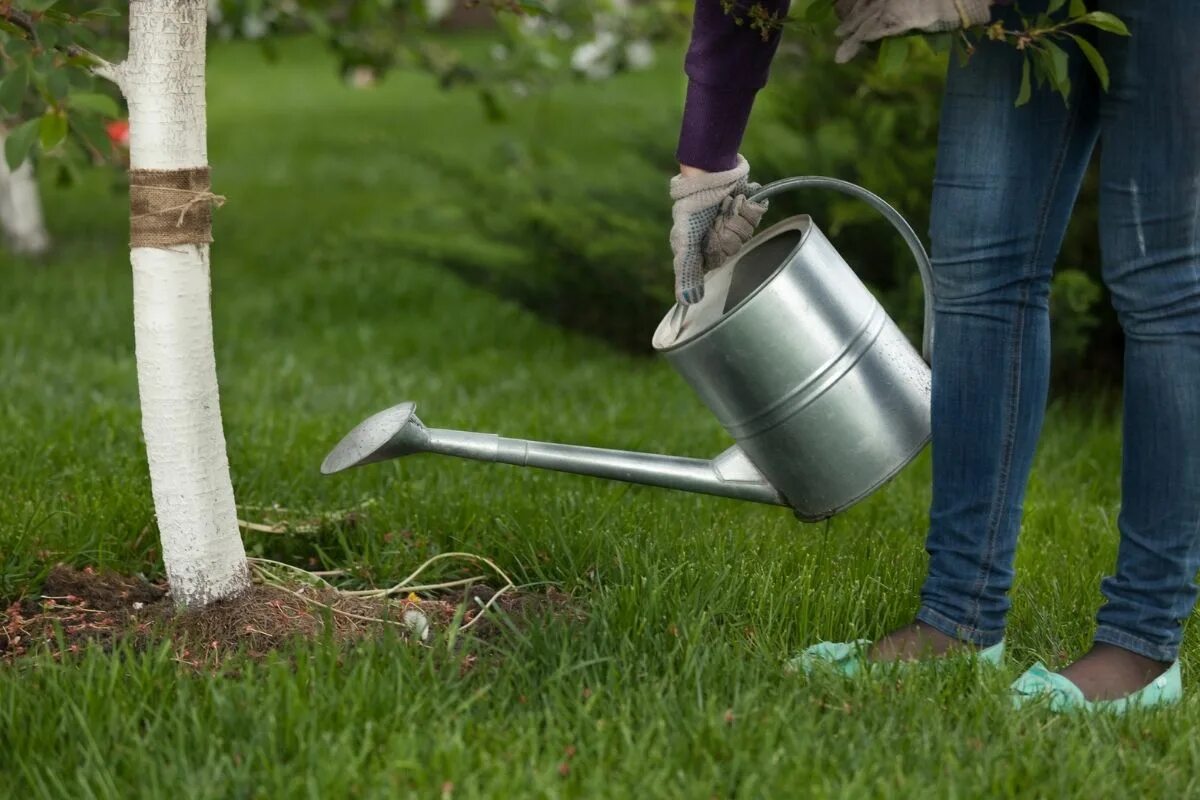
711	219
871	20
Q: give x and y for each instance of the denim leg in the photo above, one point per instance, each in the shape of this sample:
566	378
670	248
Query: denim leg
1006	180
1150	237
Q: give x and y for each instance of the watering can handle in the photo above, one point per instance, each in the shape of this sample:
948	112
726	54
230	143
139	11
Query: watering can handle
893	216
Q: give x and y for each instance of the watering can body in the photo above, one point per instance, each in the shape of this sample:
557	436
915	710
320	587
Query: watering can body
804	369
823	394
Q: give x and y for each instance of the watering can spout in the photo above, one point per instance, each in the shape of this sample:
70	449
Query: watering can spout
397	432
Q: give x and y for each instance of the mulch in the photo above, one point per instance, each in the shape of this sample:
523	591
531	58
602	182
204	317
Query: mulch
80	608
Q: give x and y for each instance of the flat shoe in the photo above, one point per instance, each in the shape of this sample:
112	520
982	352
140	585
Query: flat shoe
1039	685
850	658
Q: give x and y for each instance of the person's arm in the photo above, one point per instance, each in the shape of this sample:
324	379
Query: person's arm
726	65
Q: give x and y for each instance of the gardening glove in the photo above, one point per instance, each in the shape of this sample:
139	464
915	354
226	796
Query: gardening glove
711	219
871	20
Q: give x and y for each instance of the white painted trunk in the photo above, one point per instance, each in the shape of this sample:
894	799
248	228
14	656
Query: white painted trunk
163	80
21	217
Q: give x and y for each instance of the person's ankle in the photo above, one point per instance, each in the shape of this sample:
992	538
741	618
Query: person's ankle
1109	672
916	641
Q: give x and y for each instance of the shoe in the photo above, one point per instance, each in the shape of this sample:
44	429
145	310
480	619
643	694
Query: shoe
1039	685
850	658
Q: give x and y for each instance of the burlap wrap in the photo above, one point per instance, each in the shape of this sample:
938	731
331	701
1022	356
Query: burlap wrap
170	207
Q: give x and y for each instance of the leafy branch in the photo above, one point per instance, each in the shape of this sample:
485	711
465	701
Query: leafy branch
25	25
1044	58
47	86
1038	38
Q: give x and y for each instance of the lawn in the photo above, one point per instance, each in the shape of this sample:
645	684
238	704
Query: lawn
670	687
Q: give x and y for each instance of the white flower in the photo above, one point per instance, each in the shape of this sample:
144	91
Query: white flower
639	54
499	52
594	58
531	24
254	27
437	9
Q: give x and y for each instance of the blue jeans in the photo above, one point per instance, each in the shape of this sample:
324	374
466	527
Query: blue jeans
1006	181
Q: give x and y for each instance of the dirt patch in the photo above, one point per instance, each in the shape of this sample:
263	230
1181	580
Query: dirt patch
103	592
79	608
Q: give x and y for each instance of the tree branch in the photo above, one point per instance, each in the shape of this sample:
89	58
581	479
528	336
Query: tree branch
98	66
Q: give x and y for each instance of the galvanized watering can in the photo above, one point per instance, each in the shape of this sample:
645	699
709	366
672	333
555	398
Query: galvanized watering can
823	394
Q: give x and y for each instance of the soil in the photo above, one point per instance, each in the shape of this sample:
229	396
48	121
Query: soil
81	608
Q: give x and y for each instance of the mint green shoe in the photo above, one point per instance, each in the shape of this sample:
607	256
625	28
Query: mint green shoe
850	658
1039	684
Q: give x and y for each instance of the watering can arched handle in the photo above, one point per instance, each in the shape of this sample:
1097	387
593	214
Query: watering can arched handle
892	215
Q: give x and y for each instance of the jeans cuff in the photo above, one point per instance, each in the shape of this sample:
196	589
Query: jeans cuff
964	633
1135	644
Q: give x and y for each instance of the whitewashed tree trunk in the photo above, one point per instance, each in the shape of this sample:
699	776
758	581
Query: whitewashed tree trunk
21	220
163	80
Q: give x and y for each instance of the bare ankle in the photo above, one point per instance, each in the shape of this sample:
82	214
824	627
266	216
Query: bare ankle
1108	672
913	642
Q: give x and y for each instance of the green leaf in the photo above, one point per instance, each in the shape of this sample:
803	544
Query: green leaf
1078	8
893	52
1060	63
57	83
818	12
18	49
1105	22
90	128
1094	58
939	42
1055	5
20	141
81	80
1026	90
98	102
1042	67
105	11
53	129
12	89
47	34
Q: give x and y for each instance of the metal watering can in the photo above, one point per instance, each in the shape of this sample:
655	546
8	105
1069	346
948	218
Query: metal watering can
825	397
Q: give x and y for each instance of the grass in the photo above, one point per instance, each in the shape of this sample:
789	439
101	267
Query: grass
671	687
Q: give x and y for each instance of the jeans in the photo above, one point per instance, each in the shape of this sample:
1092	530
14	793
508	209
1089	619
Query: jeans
1006	180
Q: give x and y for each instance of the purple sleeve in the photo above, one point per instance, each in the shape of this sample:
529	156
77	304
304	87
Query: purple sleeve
726	65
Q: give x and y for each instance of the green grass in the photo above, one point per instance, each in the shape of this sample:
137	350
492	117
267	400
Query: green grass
671	687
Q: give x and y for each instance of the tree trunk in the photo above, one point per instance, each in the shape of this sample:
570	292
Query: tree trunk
163	80
21	209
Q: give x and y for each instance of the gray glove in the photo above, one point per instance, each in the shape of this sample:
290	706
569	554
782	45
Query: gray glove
711	219
871	20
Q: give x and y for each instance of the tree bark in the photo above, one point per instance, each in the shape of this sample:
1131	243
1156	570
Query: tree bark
163	80
21	217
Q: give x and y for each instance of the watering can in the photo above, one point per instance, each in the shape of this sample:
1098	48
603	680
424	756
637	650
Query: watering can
824	396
